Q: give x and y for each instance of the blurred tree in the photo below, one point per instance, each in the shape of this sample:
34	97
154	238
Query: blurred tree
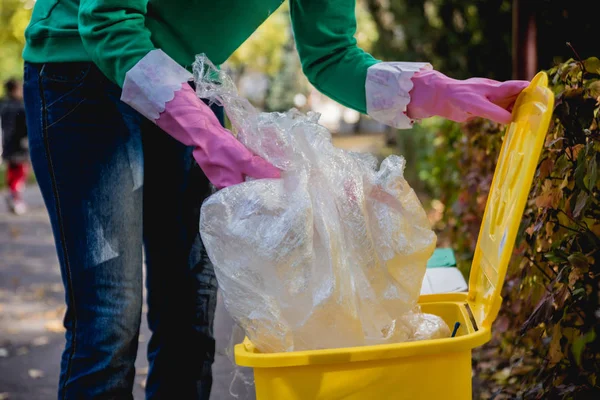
263	51
367	33
461	38
270	50
465	38
287	82
14	17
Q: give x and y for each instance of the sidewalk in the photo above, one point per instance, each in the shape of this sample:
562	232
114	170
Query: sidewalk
31	311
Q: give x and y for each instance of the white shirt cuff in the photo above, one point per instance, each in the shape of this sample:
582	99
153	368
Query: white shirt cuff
152	83
387	87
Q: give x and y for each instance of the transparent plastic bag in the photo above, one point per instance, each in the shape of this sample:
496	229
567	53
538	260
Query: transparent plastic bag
331	255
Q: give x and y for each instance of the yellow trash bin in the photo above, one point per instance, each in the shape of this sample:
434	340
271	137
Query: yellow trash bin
431	369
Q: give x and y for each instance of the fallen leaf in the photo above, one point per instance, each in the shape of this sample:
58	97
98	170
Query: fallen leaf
502	323
57	313
4	396
141	338
143	384
36	373
56	287
40	341
39	293
522	369
502	375
21	351
55	326
3	352
486	366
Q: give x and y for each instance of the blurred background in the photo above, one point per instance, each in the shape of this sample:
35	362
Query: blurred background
449	165
497	39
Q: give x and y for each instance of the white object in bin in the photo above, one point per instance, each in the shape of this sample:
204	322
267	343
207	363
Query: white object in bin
443	280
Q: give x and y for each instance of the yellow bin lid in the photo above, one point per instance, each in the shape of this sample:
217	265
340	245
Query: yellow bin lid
512	180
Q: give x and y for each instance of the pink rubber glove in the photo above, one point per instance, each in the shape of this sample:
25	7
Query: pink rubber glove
224	160
434	93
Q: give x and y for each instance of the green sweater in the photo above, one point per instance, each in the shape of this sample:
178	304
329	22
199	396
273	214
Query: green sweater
116	34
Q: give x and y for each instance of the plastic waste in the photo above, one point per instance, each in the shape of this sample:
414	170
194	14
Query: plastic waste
331	255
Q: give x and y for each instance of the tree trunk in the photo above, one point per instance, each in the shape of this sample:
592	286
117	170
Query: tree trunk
524	39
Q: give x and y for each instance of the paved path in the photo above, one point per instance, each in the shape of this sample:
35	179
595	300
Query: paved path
31	311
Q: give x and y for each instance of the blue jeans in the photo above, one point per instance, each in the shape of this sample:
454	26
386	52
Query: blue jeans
114	185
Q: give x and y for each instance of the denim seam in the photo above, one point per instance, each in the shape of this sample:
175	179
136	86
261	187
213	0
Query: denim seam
79	79
61	229
67	114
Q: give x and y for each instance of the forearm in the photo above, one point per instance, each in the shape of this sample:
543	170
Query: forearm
336	66
114	34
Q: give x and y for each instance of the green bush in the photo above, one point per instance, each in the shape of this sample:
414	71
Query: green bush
546	341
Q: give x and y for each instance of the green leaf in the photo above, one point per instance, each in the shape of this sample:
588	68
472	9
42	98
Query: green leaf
578	260
592	173
561	164
594	88
580	204
579	344
555	257
592	65
580	170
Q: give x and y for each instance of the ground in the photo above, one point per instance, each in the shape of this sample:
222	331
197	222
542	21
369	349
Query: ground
31	310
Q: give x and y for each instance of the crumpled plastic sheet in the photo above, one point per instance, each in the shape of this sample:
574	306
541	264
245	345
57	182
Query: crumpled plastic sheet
331	255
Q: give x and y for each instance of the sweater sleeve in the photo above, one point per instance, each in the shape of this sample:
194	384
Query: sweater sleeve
331	60
114	34
324	33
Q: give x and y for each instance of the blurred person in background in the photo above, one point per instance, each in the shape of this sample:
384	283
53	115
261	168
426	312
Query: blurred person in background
15	151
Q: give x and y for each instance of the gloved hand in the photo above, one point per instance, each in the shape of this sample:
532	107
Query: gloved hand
224	160
157	87
434	93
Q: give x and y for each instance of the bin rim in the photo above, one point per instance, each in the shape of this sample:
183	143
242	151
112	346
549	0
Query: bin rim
247	355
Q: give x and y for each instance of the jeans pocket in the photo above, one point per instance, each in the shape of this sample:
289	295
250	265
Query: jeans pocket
64	89
68	72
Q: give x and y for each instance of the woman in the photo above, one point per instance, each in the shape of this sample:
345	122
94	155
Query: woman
114	132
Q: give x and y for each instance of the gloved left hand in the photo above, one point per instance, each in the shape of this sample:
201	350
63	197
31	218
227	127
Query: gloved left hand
398	93
434	93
